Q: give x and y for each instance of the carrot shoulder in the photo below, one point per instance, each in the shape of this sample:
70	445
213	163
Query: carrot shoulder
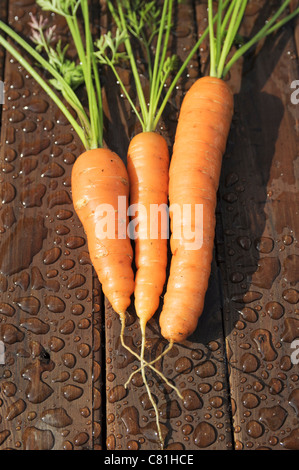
99	178
200	141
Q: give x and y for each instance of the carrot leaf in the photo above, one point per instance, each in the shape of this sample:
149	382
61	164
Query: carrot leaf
108	48
66	75
223	53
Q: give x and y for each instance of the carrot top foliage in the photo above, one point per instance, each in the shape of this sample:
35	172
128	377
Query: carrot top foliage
148	23
65	75
226	33
142	22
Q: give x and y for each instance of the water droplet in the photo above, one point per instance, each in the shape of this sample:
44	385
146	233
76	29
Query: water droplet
32	197
249	363
291	296
117	393
291	441
206	369
204	435
191	400
264	244
76	280
28	165
52	255
15	116
291	330
64	139
275	310
250	400
72	392
267	271
15	409
52	170
16	79
74	242
254	429
262	339
30	305
7	192
6	309
34	148
37	105
56	417
54	304
59	198
249	314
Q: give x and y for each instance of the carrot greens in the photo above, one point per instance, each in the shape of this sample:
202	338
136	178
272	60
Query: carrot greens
226	34
149	26
65	75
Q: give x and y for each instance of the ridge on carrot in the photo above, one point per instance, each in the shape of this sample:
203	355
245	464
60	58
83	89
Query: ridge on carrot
200	141
99	176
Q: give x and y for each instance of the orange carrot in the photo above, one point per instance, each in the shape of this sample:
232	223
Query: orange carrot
100	177
148	157
200	141
148	165
147	188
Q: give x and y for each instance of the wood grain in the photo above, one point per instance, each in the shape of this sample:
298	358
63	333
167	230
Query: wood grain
46	276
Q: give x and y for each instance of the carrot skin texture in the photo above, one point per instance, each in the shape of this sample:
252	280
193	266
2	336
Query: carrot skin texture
200	142
148	167
99	177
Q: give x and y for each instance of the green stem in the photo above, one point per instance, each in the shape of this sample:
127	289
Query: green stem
228	31
212	40
135	72
117	76
218	35
44	42
265	31
158	63
92	99
76	35
230	35
148	56
24	63
227	17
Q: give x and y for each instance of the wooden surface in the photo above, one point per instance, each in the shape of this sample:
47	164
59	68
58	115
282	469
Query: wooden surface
62	384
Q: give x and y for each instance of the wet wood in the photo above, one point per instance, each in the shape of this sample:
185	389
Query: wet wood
257	243
62	385
47	296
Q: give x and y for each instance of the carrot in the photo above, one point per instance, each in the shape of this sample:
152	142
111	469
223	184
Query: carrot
147	157
148	150
200	141
99	177
202	130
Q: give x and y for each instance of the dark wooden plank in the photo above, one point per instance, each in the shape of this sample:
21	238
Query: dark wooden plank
197	367
47	287
48	352
3	16
257	242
